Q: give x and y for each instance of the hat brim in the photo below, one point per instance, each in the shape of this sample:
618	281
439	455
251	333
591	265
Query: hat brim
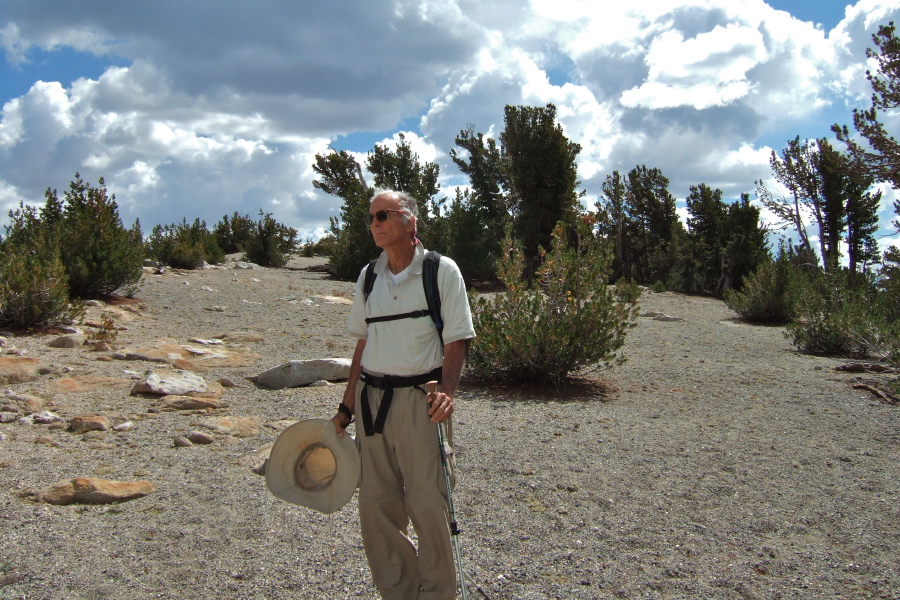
288	449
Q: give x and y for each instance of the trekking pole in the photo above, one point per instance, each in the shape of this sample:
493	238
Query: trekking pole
454	530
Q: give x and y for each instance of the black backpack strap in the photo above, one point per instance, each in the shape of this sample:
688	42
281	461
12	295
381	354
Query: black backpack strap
432	291
369	281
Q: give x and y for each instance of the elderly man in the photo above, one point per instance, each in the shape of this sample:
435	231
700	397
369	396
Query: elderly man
401	478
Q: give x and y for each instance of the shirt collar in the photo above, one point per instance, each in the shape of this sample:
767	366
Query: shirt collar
415	268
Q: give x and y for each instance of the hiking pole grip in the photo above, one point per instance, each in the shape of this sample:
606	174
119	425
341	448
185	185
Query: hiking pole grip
432	388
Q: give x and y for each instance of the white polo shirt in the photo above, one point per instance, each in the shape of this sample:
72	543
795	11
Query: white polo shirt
409	346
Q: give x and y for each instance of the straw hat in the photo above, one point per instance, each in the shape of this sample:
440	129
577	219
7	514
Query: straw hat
311	466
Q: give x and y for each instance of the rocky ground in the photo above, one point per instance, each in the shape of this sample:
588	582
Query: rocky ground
715	463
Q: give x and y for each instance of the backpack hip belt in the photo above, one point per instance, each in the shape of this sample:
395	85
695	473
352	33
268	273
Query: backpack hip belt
388	383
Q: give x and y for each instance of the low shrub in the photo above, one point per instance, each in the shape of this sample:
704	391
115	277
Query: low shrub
34	291
323	247
658	287
627	291
565	322
270	244
770	294
184	246
835	320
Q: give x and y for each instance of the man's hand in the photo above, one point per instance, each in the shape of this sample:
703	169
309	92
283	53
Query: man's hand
441	404
340	421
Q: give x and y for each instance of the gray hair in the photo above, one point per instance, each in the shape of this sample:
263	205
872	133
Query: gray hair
407	202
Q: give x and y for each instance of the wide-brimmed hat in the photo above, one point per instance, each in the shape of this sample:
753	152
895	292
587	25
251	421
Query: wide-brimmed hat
312	466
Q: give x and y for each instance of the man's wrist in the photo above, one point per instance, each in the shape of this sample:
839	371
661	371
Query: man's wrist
345	410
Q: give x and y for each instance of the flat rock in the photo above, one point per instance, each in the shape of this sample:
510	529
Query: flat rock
27	402
241	337
89	490
18	369
242	427
297	373
170	383
190	403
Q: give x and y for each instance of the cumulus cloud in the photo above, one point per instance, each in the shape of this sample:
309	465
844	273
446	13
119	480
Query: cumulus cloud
219	106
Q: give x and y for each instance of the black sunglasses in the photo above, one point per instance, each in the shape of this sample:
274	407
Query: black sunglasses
382	215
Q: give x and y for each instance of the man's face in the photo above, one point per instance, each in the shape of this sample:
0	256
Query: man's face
392	231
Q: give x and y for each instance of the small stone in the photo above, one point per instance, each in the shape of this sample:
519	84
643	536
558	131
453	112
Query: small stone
47	417
126	426
68	341
89	423
182	442
198	437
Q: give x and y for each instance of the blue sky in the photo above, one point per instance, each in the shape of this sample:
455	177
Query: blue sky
204	108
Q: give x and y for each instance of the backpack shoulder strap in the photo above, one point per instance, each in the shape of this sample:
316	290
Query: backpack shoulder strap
369	281
432	290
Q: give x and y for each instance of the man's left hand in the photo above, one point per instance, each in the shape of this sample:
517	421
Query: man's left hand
441	407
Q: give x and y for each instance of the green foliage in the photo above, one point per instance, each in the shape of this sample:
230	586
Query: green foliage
270	244
881	154
34	291
323	247
232	233
540	170
474	246
658	287
340	175
771	293
639	215
627	291
565	322
834	318
184	246
478	216
100	256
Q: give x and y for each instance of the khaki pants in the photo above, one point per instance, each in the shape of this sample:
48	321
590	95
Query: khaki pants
402	481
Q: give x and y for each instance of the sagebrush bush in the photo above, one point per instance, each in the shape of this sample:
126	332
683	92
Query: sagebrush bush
34	291
566	322
184	246
270	244
770	294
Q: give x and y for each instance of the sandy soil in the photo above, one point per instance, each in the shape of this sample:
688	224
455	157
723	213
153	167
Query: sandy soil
719	464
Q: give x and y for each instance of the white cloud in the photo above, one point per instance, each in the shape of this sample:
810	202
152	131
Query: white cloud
221	106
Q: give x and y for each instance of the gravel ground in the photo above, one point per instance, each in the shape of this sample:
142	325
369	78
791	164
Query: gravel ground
716	463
